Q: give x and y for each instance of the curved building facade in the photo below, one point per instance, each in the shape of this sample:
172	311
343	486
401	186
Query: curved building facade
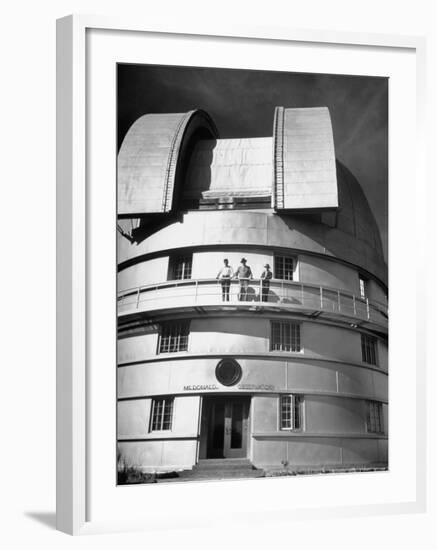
293	373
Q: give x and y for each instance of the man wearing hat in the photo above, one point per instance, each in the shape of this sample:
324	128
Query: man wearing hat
243	274
224	276
265	282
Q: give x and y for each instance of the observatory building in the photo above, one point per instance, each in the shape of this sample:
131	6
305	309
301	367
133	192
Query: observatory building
277	367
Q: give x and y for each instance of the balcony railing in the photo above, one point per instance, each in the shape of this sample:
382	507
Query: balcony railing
292	295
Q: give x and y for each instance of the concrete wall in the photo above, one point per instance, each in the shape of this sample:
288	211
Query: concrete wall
133	417
323	416
330	434
331	342
376	292
148	450
326	273
306	452
138	347
206	264
194	376
255	228
159	456
144	273
332	415
241	335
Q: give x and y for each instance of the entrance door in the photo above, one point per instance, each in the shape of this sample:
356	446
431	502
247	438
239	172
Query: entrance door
227	427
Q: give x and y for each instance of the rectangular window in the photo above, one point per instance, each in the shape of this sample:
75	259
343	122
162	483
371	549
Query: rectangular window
374	417
180	267
368	349
363	287
291	412
162	414
285	336
173	336
284	268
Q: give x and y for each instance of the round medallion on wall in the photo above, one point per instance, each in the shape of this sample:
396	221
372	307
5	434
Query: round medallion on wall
228	372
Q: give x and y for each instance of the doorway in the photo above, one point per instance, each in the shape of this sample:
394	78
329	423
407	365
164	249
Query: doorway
225	422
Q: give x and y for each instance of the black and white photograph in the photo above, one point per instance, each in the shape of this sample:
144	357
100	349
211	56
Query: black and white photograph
252	279
218	281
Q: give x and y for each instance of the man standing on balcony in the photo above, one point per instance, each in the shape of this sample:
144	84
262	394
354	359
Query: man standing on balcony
224	276
243	274
265	283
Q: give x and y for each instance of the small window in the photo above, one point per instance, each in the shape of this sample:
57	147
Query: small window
285	336
173	336
284	268
363	287
291	412
374	417
180	267
368	349
162	414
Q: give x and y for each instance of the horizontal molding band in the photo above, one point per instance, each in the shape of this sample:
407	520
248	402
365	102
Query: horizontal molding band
269	435
274	356
161	438
291	434
252	393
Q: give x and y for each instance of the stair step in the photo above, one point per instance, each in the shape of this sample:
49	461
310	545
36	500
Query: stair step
221	461
223	464
219	468
221	474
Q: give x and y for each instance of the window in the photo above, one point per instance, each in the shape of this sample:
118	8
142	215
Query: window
368	349
162	414
173	336
180	267
291	412
363	287
285	336
284	267
374	417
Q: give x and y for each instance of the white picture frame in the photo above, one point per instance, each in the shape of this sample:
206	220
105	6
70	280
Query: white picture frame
73	275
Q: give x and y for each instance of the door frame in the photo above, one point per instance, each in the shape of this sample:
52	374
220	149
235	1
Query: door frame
205	432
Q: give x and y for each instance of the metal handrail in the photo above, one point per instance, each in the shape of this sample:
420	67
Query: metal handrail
327	298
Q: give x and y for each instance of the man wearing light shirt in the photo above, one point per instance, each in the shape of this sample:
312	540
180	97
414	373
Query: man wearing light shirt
243	274
224	276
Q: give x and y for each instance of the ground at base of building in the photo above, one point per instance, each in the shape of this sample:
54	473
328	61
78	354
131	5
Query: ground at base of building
134	476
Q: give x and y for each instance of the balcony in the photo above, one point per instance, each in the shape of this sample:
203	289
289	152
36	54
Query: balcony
292	296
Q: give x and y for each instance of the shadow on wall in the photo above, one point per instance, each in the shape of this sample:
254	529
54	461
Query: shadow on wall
254	296
353	217
196	171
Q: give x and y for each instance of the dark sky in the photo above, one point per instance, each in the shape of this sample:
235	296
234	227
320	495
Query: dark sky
242	103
